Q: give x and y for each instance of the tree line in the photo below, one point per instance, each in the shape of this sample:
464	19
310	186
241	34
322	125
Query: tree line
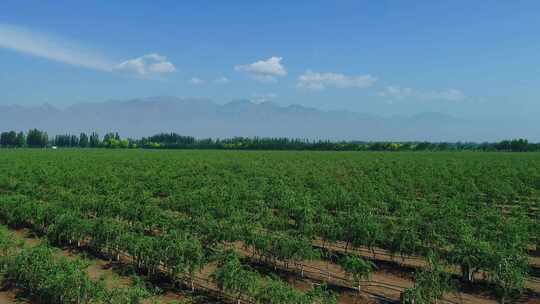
35	138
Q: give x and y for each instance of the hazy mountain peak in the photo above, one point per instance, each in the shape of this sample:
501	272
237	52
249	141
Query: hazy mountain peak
202	118
240	102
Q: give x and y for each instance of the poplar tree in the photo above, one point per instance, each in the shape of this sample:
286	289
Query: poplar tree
83	140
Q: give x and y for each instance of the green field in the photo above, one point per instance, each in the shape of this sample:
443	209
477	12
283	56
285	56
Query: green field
281	227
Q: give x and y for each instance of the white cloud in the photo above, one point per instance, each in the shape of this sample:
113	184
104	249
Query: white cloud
155	57
264	70
147	65
259	98
196	81
449	94
162	67
222	80
319	81
398	93
51	47
62	50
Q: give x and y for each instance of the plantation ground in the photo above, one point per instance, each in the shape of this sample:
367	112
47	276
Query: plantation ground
286	220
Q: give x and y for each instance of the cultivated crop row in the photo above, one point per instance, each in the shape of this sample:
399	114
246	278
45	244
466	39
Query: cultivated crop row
477	212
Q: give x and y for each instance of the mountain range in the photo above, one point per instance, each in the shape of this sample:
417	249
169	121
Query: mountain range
203	118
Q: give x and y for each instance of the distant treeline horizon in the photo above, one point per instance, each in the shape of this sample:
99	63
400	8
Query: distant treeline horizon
35	138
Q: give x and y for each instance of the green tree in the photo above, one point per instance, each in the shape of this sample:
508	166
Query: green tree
7	247
321	294
113	140
124	144
37	139
8	139
4	139
509	274
73	141
21	140
519	145
357	267
232	277
471	253
430	285
53	280
83	140
94	140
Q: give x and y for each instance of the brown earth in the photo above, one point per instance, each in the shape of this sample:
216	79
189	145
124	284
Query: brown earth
10	297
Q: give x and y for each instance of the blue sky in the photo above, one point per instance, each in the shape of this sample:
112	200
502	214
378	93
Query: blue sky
465	58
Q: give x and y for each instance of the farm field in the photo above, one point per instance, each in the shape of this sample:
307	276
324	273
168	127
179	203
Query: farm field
157	226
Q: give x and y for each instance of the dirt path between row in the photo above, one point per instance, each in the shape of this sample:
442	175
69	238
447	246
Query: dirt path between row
532	283
97	269
314	271
384	283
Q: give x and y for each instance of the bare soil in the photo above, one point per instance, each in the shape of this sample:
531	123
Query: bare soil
10	297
